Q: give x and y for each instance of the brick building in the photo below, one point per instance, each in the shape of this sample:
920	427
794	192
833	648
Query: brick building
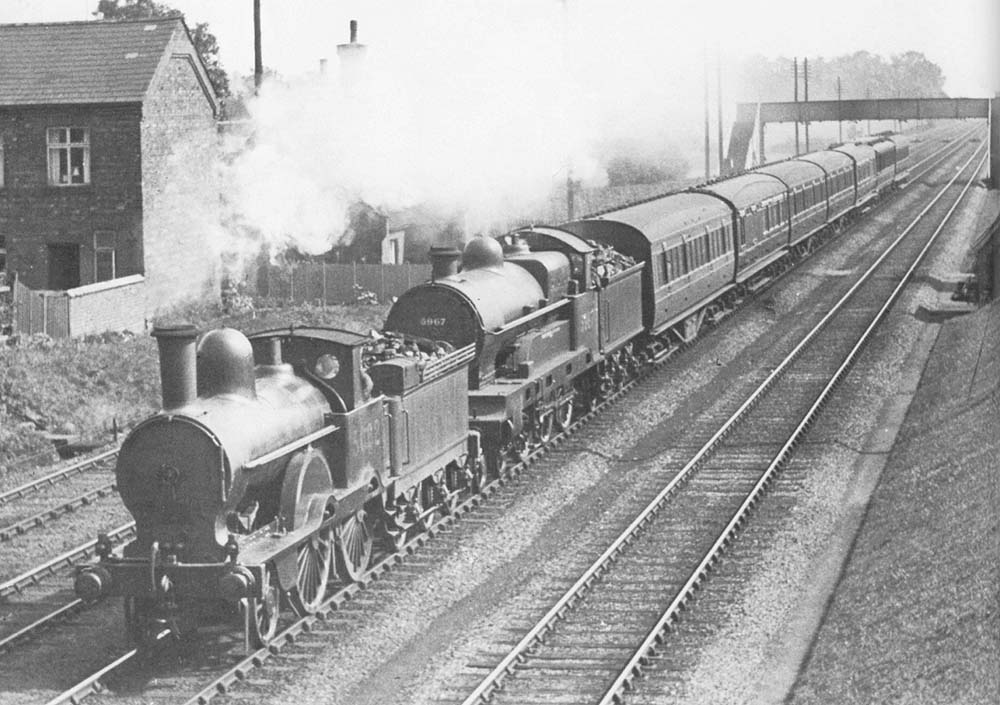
107	152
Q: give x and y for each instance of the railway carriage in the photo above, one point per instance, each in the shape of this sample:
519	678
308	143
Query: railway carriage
760	214
903	160
865	179
806	197
685	242
839	181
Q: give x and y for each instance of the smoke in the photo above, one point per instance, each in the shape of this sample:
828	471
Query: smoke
481	118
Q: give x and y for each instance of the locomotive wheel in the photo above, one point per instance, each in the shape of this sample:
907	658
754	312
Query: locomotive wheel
543	427
353	546
140	625
314	559
564	415
478	478
263	612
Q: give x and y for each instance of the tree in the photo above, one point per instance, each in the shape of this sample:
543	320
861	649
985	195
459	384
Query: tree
862	75
204	41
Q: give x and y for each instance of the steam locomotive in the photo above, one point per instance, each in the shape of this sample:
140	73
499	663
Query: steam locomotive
279	458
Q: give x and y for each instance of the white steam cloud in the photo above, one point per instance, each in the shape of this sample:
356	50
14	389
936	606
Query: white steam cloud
478	118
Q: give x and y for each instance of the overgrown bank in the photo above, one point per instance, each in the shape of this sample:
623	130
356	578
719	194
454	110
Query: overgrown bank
82	387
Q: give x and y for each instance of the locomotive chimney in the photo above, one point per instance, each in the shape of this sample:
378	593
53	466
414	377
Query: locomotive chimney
444	261
178	379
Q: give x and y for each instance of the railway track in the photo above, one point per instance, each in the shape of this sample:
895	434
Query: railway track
59	602
300	629
76	485
600	634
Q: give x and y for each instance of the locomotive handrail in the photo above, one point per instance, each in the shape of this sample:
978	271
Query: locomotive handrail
524	321
289	447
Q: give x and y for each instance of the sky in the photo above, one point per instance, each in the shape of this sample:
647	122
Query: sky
487	106
959	35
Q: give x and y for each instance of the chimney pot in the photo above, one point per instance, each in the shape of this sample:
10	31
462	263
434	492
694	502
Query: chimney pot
178	380
444	261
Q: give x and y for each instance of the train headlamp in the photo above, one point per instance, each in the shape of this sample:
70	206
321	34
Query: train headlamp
327	366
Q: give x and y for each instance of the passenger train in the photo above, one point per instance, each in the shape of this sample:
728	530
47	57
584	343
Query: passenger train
280	458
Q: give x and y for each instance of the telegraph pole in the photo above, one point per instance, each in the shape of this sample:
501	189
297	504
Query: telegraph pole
718	89
258	61
840	123
708	138
795	70
805	72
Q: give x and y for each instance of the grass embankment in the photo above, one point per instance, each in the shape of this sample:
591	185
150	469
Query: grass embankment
81	387
916	616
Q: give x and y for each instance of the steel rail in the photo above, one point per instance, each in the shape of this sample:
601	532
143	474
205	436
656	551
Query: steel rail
640	657
518	653
41	518
56	476
65	610
32	577
92	683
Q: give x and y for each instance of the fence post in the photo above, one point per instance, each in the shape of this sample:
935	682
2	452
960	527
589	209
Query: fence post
324	284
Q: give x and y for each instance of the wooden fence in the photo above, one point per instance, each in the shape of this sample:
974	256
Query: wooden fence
319	282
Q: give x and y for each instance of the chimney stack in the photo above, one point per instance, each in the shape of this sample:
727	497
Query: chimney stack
352	59
444	261
178	380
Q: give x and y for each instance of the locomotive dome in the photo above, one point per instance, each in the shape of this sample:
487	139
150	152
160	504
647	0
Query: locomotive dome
225	364
482	253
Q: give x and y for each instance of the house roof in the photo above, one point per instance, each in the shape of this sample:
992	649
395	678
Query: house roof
83	62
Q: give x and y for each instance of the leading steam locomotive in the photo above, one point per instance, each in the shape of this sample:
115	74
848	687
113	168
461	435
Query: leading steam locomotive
279	458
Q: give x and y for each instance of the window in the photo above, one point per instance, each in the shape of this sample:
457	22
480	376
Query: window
104	256
69	156
674	265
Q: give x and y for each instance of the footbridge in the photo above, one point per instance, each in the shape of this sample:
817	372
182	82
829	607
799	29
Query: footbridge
752	118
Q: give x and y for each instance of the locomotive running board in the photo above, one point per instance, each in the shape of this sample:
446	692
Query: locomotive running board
289	447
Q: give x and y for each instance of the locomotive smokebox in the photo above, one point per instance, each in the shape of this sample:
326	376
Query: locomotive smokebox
444	261
177	364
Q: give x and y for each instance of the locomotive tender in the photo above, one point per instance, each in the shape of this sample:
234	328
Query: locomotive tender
279	457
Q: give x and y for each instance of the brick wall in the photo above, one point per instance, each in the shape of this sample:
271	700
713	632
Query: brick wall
34	214
114	305
180	189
